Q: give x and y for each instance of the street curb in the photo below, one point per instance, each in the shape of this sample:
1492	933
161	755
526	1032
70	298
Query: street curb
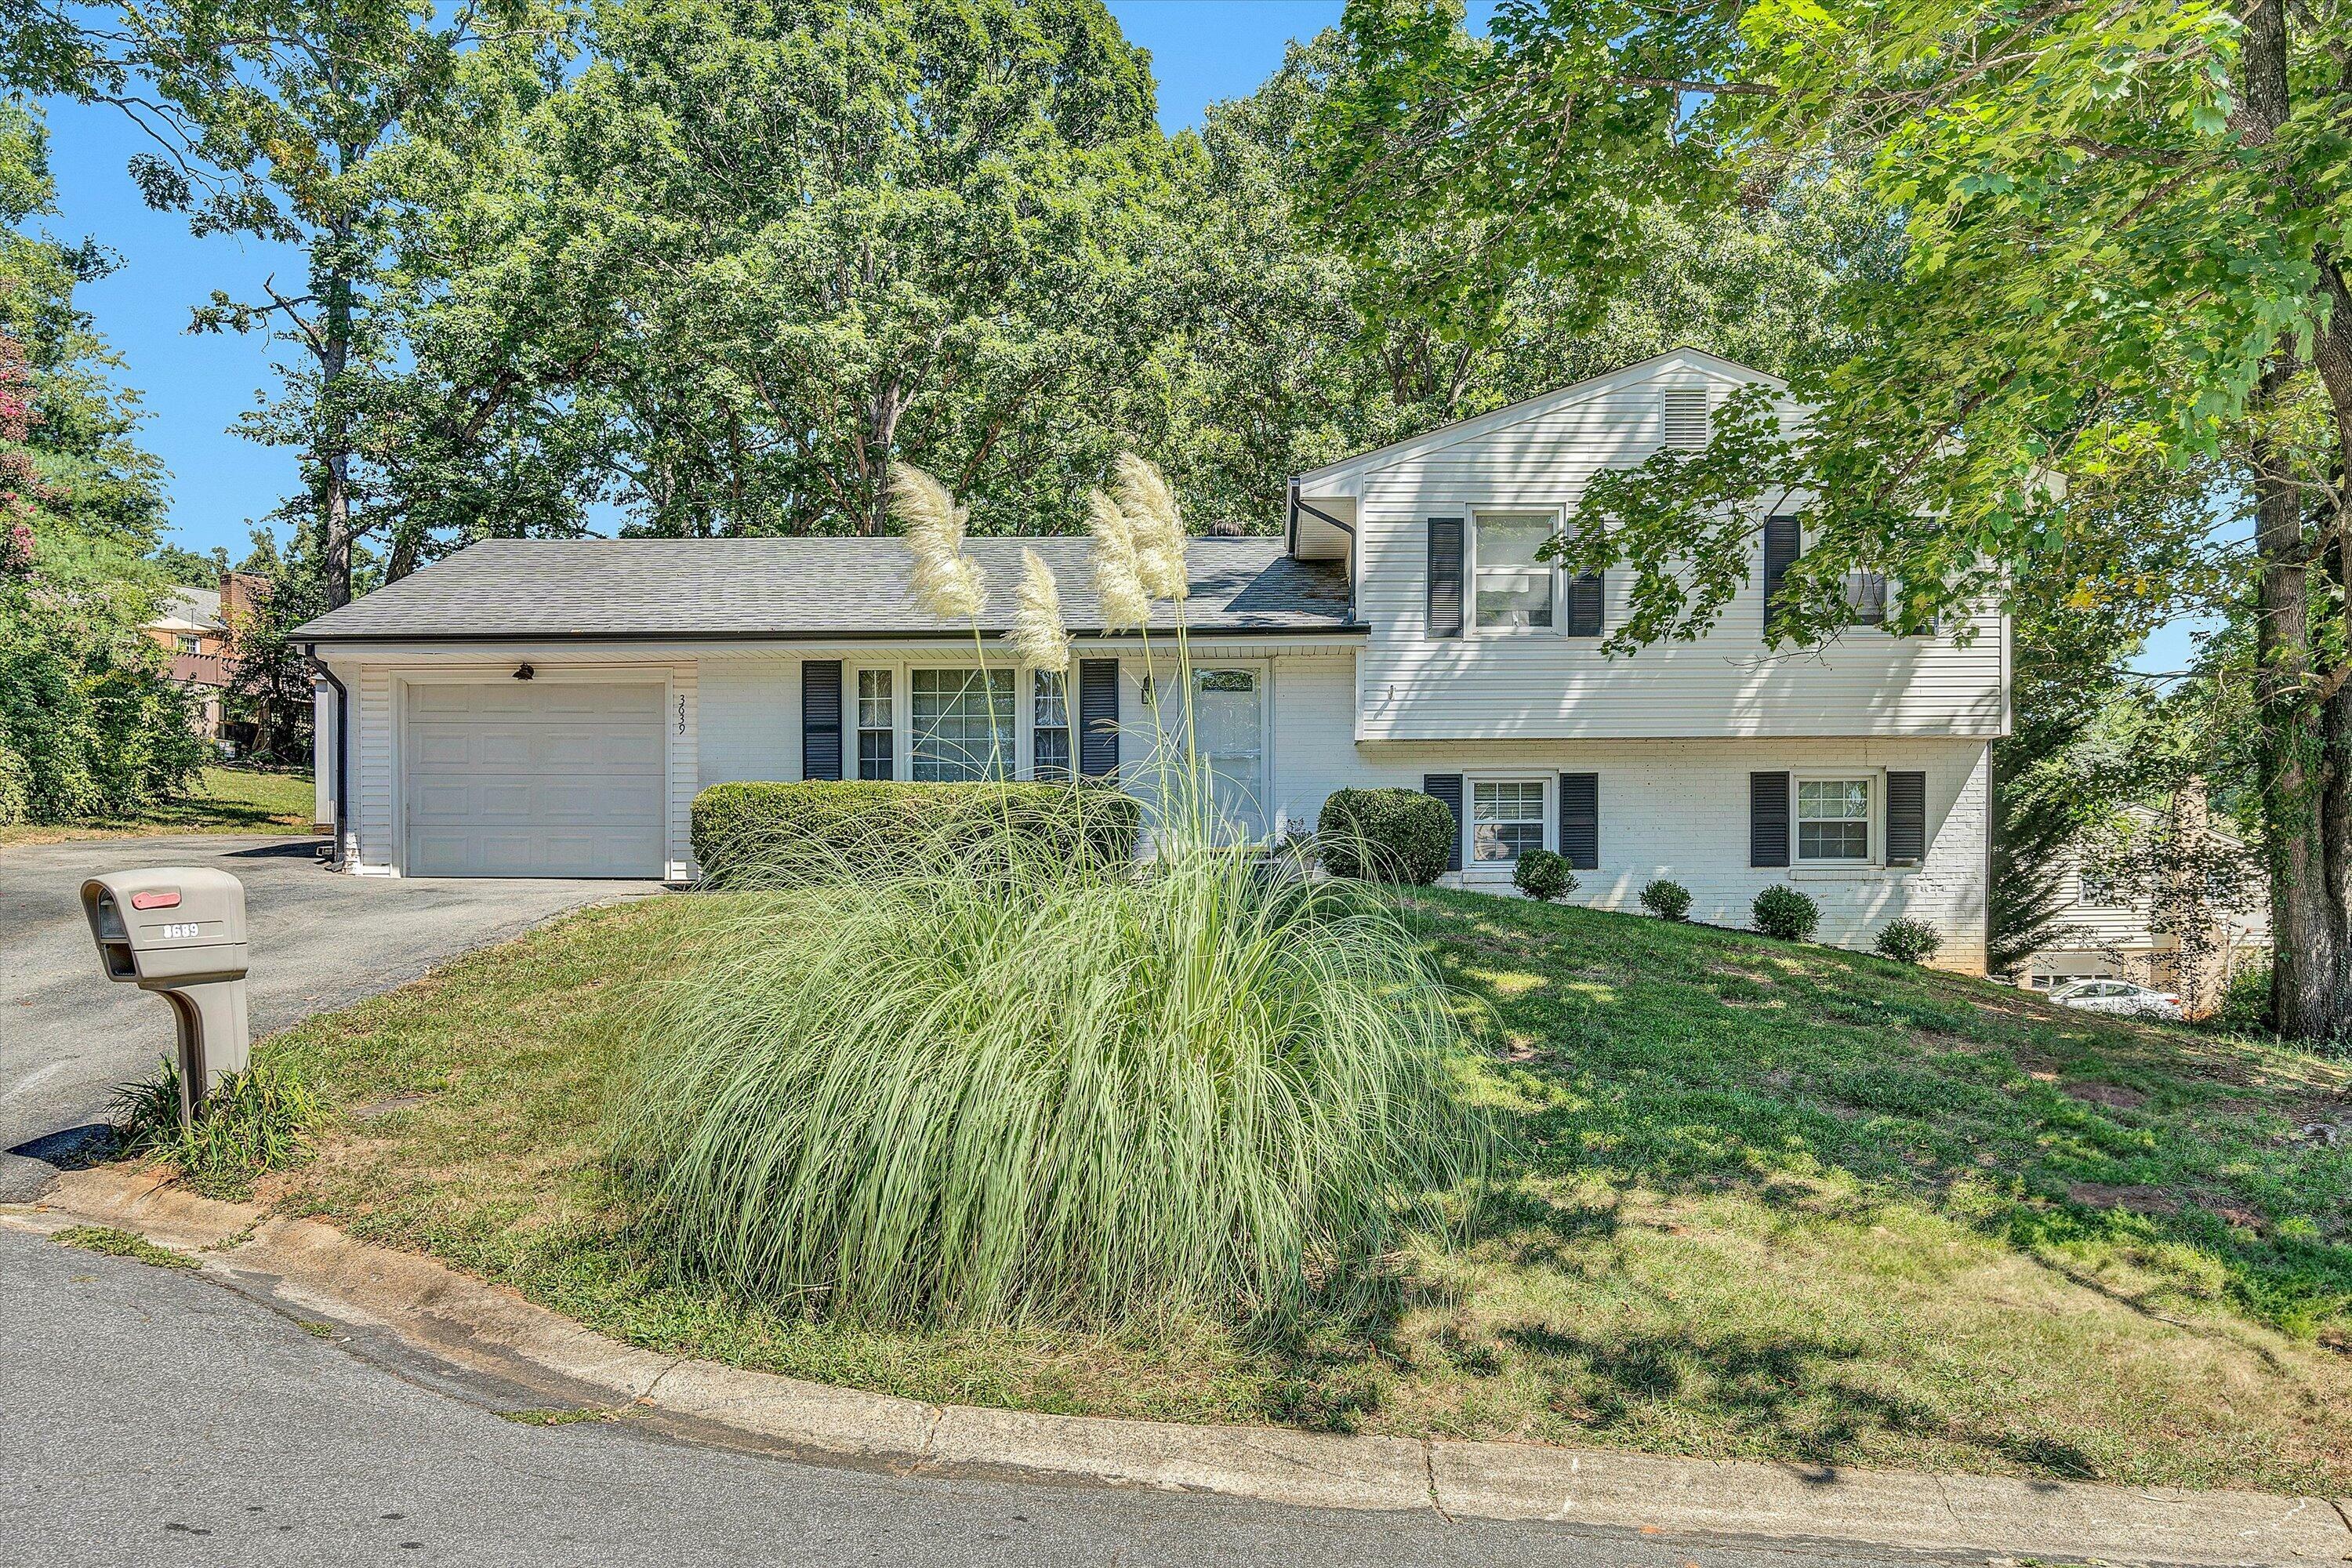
470	1325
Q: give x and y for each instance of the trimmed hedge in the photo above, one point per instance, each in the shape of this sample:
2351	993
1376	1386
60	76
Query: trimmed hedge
1384	836
780	833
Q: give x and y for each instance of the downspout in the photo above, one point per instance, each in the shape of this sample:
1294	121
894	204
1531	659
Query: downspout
1298	505
343	741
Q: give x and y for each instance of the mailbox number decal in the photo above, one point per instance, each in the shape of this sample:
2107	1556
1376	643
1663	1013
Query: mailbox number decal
180	932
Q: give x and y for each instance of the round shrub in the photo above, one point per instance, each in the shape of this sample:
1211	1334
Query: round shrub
1667	901
1540	874
1908	941
1385	836
1051	1095
1784	912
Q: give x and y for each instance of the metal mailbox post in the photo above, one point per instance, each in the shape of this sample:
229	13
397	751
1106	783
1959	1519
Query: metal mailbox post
179	931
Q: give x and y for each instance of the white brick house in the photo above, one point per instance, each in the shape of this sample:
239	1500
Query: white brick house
1397	634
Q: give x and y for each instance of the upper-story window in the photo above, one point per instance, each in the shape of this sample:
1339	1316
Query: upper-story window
1833	819
187	642
1514	588
1865	598
2096	891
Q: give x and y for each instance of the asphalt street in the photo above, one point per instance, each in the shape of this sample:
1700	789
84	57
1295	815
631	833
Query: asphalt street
157	1418
68	1036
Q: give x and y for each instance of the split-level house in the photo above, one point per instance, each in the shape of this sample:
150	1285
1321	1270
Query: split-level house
552	707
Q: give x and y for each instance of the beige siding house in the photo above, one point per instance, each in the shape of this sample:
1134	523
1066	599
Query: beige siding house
551	707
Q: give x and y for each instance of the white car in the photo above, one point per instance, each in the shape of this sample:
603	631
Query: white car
2118	997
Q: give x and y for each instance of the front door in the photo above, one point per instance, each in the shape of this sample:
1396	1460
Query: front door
1229	721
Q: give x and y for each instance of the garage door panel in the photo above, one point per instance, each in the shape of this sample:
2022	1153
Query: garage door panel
539	778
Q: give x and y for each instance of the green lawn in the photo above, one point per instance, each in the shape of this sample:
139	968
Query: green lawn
1763	1201
224	800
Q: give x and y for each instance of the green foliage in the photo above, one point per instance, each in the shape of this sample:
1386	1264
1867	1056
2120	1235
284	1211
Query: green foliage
2246	1004
1908	941
771	835
1029	1090
1782	911
253	1122
1543	875
1666	900
1384	835
110	1242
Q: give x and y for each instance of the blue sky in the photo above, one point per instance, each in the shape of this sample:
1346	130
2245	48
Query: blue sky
196	386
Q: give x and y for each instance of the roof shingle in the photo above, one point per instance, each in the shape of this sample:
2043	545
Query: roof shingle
797	589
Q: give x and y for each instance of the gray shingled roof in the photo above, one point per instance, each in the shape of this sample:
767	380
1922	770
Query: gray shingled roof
795	588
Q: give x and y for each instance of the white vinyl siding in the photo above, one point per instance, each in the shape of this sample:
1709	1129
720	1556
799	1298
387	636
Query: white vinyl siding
1726	683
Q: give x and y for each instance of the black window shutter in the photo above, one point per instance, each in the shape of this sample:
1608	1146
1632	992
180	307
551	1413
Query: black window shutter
1098	718
1781	542
1768	819
1584	606
1579	820
1445	577
1907	818
820	719
1446	789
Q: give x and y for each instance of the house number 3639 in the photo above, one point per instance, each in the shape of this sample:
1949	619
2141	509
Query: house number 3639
681	715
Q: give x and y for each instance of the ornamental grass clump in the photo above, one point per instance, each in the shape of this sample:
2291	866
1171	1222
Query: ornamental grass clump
1049	1092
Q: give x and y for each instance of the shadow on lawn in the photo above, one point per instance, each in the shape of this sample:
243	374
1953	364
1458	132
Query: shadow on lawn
1685	1060
1788	1390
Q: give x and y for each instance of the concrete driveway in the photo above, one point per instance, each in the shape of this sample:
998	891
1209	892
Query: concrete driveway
321	941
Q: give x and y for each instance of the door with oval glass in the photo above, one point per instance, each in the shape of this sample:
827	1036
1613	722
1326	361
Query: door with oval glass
1229	723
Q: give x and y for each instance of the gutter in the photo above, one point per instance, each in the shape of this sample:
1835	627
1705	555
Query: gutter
1349	628
1299	504
343	741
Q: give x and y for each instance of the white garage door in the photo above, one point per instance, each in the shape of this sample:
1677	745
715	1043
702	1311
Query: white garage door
535	778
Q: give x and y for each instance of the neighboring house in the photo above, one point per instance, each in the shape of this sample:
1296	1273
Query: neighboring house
196	625
2108	925
552	707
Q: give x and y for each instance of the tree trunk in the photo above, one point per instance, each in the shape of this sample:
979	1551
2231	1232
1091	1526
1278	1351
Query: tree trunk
331	445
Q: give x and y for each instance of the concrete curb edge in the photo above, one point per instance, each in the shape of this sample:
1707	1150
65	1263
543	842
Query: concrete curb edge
470	1325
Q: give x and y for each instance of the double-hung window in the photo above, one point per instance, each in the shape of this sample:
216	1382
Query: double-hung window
961	724
1834	820
1507	819
2096	891
875	730
1865	598
1514	588
1049	725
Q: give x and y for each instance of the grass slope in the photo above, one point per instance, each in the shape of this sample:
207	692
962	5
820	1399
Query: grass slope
226	800
1763	1201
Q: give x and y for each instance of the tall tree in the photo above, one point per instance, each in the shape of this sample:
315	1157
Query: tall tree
87	722
2123	231
301	121
790	245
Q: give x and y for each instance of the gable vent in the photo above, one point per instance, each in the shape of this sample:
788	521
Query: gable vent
1686	417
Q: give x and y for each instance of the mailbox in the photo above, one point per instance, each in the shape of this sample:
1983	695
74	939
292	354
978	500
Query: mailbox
179	931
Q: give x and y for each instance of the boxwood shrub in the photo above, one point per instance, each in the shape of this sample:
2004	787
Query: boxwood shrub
1384	835
771	833
1908	941
1541	874
1667	901
1782	911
